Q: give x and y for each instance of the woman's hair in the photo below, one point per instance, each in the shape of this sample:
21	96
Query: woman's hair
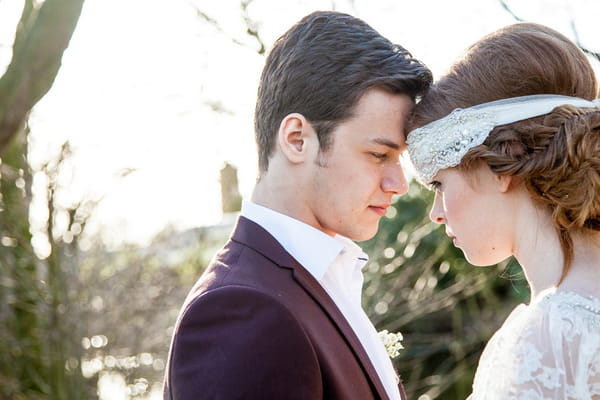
557	155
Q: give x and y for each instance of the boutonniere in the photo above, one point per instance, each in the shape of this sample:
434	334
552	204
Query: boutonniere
392	342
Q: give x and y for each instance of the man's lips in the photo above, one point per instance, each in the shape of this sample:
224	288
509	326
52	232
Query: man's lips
380	209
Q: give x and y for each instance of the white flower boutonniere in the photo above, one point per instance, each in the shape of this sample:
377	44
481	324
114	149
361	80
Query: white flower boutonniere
392	342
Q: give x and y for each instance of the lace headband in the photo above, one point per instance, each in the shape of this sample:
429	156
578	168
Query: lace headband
443	143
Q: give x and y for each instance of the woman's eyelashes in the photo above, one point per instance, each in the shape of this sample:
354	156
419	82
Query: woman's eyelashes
435	185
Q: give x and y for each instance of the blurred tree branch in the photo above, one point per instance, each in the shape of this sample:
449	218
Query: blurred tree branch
510	11
250	24
42	35
214	23
587	51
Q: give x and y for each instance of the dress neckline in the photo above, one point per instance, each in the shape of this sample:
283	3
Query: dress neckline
589	303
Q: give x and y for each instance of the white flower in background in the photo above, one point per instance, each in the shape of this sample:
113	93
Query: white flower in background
392	342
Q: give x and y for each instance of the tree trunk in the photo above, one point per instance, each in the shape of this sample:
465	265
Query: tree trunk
43	34
33	346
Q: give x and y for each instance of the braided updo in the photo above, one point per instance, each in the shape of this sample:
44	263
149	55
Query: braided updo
557	155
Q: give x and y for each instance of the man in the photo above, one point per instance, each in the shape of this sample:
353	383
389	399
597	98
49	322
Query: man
277	314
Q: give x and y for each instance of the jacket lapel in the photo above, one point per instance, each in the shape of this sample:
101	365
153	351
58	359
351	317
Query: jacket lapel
310	284
254	236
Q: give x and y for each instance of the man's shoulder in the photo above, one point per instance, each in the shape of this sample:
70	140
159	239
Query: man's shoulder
233	296
251	257
236	264
232	340
240	270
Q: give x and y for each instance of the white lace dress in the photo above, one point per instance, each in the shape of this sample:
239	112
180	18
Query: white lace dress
548	350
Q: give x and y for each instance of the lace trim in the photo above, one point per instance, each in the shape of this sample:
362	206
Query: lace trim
548	350
576	301
443	143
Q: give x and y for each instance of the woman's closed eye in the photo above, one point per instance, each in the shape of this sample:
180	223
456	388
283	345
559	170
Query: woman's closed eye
435	185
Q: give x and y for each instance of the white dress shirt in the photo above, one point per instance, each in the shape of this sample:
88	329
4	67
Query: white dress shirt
336	263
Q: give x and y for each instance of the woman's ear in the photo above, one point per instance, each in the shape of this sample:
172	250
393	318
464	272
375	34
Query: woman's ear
294	137
507	182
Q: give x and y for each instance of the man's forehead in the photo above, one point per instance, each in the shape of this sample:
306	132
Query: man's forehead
384	141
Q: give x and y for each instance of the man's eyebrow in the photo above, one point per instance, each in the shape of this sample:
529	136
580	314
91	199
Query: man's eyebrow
386	142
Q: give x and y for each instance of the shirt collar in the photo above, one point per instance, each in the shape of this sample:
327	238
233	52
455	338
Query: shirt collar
313	249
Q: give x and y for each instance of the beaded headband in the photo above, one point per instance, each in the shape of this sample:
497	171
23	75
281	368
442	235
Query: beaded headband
443	143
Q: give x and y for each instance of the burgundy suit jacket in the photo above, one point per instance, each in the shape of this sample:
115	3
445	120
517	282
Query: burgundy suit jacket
257	325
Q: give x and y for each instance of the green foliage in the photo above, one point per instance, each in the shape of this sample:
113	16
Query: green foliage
34	344
33	300
418	283
21	349
73	318
129	301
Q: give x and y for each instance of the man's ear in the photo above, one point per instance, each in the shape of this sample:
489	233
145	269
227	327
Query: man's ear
294	137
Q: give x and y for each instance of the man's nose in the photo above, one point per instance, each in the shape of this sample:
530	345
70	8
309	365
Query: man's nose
395	181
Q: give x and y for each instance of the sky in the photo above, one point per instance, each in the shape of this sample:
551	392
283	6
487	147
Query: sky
148	86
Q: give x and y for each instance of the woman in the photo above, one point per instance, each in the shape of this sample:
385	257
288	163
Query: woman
516	172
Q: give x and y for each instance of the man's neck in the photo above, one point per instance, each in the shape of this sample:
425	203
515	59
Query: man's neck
283	196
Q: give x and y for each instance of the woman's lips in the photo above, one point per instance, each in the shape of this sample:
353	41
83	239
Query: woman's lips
454	241
451	236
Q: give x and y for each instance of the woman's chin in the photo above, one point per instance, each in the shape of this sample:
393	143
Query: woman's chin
482	261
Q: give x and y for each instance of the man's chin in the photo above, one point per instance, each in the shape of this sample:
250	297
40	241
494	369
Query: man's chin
363	235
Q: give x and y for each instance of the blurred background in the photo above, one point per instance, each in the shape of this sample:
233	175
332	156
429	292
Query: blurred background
126	146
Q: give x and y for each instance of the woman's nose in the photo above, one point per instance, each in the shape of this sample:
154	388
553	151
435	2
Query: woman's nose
437	211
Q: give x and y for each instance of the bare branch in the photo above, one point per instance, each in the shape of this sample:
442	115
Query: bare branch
250	31
510	11
591	53
251	28
587	51
213	22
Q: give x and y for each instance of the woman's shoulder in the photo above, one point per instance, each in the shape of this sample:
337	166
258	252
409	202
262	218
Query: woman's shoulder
567	310
556	305
555	326
551	345
556	323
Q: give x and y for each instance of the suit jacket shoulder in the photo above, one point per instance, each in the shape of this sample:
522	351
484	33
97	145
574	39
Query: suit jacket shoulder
237	342
258	321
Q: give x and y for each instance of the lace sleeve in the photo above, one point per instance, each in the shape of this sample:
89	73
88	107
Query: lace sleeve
594	380
549	350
